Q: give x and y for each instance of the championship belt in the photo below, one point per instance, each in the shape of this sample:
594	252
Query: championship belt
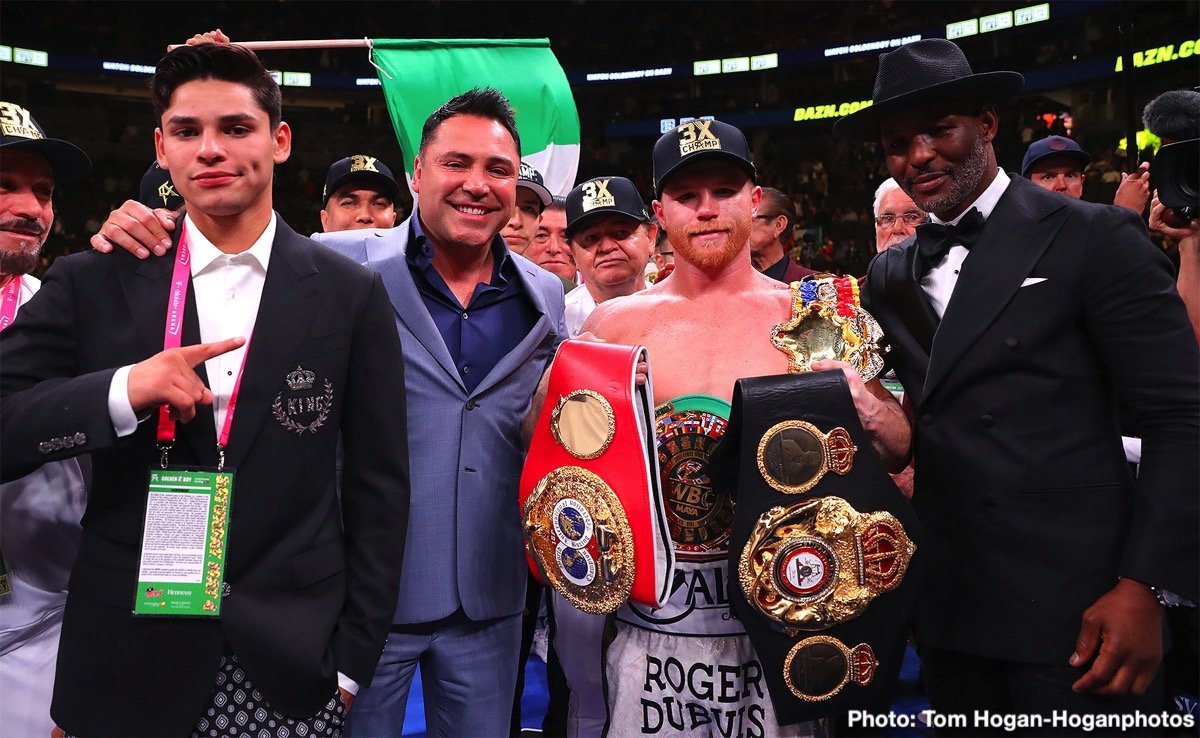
823	546
828	322
595	527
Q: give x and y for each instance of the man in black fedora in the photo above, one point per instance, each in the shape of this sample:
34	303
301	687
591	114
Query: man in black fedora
1015	337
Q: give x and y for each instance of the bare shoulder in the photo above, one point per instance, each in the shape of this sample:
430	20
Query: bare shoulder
625	319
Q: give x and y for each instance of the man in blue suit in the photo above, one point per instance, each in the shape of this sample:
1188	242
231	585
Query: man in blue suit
479	324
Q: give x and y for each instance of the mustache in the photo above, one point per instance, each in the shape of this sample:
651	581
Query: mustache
24	225
948	171
712	225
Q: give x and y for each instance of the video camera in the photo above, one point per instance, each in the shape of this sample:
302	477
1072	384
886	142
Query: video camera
1175	174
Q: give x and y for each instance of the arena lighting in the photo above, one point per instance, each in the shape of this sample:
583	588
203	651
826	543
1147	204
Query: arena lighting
1162	54
998	21
292	79
887	43
367	82
707	66
670	124
630	74
32	57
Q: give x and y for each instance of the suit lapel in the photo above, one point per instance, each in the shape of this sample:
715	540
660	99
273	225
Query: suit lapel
392	265
147	289
520	354
289	300
1017	233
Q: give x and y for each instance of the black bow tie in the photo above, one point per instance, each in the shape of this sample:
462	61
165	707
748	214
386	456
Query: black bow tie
934	239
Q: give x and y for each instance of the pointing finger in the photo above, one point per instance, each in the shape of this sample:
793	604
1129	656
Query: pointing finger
200	352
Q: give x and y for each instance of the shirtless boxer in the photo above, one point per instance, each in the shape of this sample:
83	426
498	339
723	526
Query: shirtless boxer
689	667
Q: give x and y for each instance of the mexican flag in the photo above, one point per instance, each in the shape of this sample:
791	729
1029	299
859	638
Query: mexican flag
418	75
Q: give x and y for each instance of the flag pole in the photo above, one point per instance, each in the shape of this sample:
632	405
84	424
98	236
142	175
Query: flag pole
332	43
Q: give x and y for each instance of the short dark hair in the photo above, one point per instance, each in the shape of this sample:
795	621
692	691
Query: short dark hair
225	62
557	202
481	102
775	203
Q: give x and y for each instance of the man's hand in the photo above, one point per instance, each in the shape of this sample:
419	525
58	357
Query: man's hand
216	36
1164	221
168	378
137	229
880	415
347	698
1134	190
1122	631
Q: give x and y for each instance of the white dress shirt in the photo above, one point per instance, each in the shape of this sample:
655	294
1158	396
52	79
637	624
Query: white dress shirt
939	282
228	289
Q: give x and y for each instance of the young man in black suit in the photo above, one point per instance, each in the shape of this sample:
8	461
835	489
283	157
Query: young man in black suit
285	348
1016	320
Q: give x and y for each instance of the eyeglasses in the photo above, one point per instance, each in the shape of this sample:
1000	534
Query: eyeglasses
912	217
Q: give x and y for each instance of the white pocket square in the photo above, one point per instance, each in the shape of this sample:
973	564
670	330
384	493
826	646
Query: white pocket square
1032	280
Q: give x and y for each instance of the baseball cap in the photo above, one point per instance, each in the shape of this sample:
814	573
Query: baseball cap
157	190
1052	146
359	167
603	196
18	130
697	140
531	179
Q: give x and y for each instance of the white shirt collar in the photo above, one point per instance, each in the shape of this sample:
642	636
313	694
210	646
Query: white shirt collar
204	252
986	202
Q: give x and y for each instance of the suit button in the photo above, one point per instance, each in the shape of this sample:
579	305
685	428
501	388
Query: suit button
926	419
987	421
1011	343
225	589
471	404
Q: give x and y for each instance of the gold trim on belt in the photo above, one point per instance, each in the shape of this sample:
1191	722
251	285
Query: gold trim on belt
818	667
794	455
577	533
828	323
820	563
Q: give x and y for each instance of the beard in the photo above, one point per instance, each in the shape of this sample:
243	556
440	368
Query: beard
713	257
964	179
22	258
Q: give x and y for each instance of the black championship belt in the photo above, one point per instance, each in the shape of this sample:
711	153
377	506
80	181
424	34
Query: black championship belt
823	546
591	502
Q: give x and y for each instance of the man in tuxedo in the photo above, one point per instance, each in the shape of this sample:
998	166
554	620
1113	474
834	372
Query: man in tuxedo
304	342
1015	336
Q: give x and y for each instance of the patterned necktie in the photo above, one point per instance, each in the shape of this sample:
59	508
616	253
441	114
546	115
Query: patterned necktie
934	239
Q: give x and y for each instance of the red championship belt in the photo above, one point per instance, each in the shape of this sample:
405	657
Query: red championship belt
595	526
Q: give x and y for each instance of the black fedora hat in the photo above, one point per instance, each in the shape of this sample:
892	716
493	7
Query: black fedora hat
924	71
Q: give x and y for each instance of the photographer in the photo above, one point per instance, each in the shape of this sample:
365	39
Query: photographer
1174	116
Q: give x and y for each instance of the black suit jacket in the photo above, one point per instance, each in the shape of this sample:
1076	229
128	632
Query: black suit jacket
312	579
1029	508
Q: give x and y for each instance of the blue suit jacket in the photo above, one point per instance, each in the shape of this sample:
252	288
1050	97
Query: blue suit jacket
464	544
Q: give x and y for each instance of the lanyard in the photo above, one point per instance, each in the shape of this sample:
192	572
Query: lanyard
12	295
173	337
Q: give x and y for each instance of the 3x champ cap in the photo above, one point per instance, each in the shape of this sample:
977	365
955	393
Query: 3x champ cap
697	140
603	196
1053	146
18	130
531	179
363	168
157	190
